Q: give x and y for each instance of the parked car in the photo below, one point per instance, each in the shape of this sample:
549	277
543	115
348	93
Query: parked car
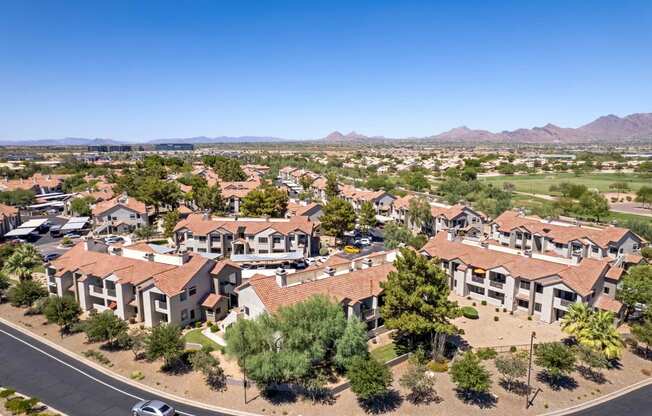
73	235
114	239
55	231
351	250
152	408
300	264
50	257
310	261
365	241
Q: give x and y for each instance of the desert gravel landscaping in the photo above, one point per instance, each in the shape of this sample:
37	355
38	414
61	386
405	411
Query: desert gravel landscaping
192	386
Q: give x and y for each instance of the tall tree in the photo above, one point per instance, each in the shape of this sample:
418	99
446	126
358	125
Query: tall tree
80	206
367	217
470	376
26	292
352	344
164	341
636	286
419	213
4	285
146	232
576	319
63	311
170	220
593	205
369	378
512	367
332	186
338	218
104	327
556	358
601	335
265	201
619	187
416	300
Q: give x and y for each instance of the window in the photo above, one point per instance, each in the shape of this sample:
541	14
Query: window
263	251
606	290
523	303
613	250
262	240
537	307
183	296
217	237
201	250
277	240
246	310
524	285
184	314
192	314
559	245
538	287
595	249
192	290
454	283
201	238
132	216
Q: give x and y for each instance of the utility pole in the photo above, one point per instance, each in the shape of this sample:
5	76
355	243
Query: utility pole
529	371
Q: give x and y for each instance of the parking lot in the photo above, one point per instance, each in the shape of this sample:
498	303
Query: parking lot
44	241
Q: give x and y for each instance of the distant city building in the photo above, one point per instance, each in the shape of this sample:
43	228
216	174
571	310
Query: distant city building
110	148
174	146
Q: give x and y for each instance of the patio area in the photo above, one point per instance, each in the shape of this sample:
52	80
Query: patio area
508	330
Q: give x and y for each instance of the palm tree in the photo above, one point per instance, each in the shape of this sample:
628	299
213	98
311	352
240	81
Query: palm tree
22	263
576	319
601	335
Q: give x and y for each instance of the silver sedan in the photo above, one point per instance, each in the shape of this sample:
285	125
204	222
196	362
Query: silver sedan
152	408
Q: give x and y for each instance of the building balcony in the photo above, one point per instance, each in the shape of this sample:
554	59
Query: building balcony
369	314
496	284
110	292
562	303
96	290
52	282
161	306
477	279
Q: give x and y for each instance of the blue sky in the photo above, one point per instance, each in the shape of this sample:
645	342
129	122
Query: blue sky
152	69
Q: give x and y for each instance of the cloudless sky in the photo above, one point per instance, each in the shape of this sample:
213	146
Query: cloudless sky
141	69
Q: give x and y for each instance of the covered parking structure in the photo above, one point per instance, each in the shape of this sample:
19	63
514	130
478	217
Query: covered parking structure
75	224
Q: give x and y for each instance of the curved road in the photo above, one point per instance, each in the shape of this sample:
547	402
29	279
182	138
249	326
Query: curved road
72	387
35	369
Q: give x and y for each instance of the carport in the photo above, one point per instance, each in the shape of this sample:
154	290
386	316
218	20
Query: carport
74	224
20	232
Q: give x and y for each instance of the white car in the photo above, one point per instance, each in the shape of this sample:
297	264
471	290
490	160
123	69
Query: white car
310	261
365	241
72	235
114	239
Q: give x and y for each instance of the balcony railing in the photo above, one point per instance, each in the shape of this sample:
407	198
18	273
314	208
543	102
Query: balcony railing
111	292
96	290
477	279
161	305
565	302
368	314
496	284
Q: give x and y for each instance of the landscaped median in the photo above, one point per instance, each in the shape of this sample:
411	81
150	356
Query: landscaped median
17	404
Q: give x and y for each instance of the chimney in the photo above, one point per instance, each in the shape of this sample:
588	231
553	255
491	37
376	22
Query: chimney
450	234
281	277
205	216
367	263
329	271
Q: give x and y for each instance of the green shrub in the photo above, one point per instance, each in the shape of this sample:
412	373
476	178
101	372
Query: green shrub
497	309
438	366
323	251
504	309
529	318
468	298
486	353
137	375
214	328
7	393
484	303
469	312
473	304
97	356
512	349
496	319
18	405
198	324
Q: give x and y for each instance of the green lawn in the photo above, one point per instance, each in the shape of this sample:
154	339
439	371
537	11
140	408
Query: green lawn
196	337
540	183
384	353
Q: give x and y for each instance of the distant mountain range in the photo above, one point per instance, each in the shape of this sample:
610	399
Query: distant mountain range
611	128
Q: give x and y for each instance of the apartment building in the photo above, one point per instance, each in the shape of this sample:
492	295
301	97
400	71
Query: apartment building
563	239
122	215
381	200
234	192
39	183
247	239
312	210
9	219
354	284
145	282
463	219
540	285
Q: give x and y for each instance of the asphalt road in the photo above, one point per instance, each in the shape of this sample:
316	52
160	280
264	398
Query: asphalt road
638	402
66	384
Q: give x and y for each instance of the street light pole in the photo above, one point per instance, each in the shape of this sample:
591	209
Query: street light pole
529	371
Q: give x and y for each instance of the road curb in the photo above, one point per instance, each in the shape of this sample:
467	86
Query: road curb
49	408
599	400
122	378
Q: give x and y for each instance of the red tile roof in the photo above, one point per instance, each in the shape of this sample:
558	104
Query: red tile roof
200	226
349	287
